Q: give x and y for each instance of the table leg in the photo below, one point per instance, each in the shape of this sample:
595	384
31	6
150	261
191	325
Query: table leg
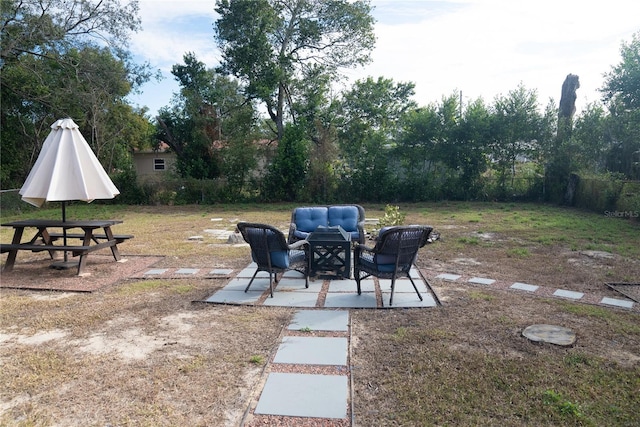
11	258
114	248
86	241
46	239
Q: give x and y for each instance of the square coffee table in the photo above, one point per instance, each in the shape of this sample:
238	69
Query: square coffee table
330	252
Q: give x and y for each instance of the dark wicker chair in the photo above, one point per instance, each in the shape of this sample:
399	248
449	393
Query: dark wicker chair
392	256
270	251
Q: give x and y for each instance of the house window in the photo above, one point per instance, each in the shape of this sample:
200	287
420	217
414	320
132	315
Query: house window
158	164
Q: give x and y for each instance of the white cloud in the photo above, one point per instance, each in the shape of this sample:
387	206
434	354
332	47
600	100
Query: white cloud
481	47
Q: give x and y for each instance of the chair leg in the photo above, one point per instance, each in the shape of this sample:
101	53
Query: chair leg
415	288
251	281
393	287
271	282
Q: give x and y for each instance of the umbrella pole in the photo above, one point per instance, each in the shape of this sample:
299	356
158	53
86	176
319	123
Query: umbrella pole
64	230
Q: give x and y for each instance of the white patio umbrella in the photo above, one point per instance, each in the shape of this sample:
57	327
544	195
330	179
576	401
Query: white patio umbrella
66	170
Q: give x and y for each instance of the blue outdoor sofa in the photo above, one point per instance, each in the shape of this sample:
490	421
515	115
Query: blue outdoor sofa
305	220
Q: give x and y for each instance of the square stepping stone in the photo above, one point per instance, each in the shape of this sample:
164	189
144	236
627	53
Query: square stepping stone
292	299
350	285
248	272
351	300
292	274
448	277
568	294
407	300
155	271
524	287
221	272
234	297
617	302
403	285
312	351
320	320
297	285
481	281
304	395
186	271
258	285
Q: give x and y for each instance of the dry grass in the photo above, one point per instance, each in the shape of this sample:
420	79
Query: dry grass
141	353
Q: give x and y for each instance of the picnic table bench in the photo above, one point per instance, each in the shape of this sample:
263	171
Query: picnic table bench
47	234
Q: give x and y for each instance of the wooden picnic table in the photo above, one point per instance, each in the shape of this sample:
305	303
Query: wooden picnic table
48	233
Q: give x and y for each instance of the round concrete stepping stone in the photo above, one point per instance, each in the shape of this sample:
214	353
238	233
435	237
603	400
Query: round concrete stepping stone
549	333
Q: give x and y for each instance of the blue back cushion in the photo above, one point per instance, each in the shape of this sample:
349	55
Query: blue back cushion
385	259
308	219
279	259
344	216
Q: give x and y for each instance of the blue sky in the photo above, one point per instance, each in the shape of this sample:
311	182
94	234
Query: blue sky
483	48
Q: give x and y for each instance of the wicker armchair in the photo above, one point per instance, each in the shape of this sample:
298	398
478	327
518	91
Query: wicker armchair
270	251
392	256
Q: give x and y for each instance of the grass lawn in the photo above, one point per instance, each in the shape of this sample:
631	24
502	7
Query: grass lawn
140	352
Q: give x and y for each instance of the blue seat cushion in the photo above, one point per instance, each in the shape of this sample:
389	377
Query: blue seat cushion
308	219
345	217
370	265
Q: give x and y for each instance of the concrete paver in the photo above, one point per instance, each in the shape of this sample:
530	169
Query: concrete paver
312	351
481	281
187	271
293	299
408	299
568	294
240	284
320	320
345	300
304	395
234	297
524	287
155	271
617	302
350	285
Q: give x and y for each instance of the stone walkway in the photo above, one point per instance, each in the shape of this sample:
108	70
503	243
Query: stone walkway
308	380
341	293
536	290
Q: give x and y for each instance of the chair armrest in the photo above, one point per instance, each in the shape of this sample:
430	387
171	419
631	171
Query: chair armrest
298	244
358	247
292	229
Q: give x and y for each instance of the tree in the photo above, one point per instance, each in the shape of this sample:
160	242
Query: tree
621	93
40	27
590	137
470	153
368	122
515	131
62	58
286	175
290	43
208	120
622	83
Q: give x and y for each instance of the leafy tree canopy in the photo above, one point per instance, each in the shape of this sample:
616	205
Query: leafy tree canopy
286	42
622	83
38	27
